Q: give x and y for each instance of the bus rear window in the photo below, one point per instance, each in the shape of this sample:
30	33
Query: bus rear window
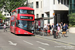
25	17
22	11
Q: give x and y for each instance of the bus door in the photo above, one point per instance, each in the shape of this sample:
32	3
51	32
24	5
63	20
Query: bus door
13	26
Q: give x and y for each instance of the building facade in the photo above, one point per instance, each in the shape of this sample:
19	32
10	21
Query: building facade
57	10
6	14
37	5
51	11
71	6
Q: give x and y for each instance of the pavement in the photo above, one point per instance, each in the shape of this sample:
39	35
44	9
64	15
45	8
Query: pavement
69	39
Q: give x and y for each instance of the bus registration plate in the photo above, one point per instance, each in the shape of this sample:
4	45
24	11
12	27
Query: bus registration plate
25	33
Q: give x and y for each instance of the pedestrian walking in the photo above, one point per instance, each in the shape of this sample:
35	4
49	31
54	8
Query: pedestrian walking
63	30
61	24
5	27
45	26
48	31
66	28
45	29
58	31
53	26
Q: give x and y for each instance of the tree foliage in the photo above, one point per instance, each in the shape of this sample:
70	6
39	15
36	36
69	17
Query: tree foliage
72	19
11	4
1	3
2	16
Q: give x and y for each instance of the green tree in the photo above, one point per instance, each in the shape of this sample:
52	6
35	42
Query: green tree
12	4
1	3
2	16
72	19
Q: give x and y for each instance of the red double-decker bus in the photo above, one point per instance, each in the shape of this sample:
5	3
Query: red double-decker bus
21	21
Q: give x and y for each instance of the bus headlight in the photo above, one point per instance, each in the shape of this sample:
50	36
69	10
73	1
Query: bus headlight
19	31
32	32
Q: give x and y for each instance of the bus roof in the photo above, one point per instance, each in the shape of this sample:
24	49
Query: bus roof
27	8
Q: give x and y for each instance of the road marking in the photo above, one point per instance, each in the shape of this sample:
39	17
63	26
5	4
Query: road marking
41	48
54	41
10	42
27	42
43	43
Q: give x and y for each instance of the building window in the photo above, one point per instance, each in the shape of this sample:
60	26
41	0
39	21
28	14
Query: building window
4	7
53	1
72	6
61	1
7	14
37	15
5	11
41	4
58	1
70	1
48	15
37	4
65	2
42	15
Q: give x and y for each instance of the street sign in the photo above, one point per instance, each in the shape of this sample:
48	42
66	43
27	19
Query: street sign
53	14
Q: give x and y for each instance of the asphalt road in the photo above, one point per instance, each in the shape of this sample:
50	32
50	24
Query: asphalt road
9	41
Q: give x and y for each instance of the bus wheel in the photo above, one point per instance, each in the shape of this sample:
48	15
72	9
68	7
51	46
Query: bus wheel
11	32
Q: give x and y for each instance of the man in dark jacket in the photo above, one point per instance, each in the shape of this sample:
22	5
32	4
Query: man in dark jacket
64	29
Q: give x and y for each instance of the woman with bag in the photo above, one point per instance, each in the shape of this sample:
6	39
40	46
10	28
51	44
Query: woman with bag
58	31
48	31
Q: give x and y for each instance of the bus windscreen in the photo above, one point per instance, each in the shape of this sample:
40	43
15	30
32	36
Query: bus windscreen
26	25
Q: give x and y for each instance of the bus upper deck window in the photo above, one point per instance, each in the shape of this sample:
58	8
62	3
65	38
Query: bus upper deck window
25	11
21	11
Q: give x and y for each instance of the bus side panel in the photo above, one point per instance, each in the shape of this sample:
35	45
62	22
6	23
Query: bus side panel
21	31
12	29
